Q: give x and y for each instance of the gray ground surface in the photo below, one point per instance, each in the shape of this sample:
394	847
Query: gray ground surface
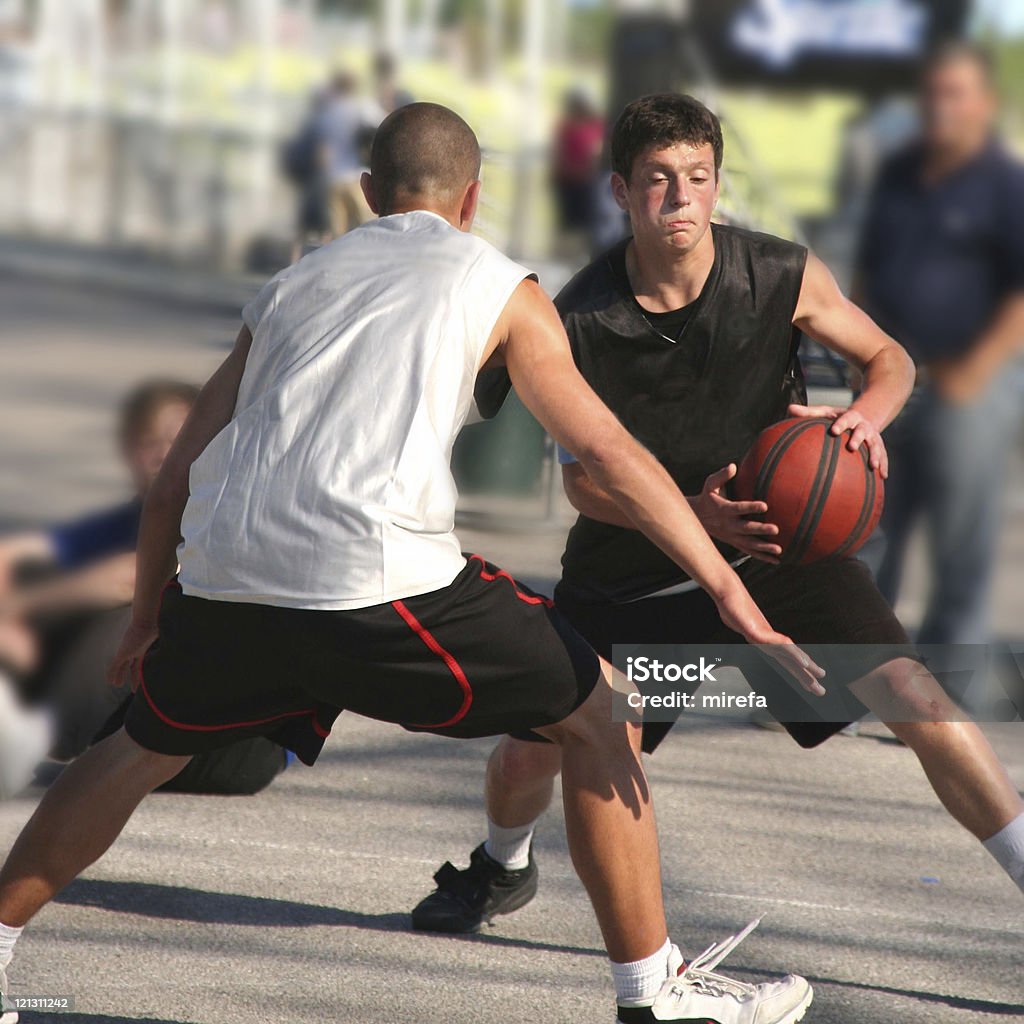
292	905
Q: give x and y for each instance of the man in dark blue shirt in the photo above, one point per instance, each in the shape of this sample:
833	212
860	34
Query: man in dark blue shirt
941	268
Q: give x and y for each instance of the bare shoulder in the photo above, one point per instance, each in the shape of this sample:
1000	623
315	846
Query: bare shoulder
817	274
529	296
818	289
529	319
530	306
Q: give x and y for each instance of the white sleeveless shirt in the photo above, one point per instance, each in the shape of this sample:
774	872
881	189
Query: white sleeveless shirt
330	488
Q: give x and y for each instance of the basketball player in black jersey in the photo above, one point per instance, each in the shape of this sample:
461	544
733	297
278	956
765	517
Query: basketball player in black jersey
689	332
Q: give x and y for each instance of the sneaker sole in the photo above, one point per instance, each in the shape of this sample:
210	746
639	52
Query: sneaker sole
516	903
797	1013
793	1017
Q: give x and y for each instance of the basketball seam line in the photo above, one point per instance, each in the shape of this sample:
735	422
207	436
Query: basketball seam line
865	511
801	538
826	486
775	454
768	466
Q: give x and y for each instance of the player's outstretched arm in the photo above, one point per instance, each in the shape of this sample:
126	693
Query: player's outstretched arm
536	352
827	316
160	529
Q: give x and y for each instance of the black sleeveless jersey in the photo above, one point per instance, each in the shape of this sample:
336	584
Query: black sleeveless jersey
697	403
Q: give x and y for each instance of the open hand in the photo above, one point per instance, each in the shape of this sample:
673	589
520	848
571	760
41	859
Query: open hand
862	431
731	522
741	614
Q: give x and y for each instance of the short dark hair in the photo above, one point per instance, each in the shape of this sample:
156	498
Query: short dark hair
142	403
422	151
663	119
951	51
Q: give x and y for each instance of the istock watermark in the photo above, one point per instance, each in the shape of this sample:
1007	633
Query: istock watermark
901	682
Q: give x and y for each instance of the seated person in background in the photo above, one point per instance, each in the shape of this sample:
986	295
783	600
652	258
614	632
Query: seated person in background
64	602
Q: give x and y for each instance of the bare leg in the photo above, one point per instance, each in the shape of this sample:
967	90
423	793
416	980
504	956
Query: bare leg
520	781
609	821
82	813
960	763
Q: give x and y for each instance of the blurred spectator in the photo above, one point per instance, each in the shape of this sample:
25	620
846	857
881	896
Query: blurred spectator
390	95
941	268
342	128
302	166
611	223
576	169
64	596
870	137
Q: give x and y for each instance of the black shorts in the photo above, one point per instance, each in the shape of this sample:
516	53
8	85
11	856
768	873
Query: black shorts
828	602
484	656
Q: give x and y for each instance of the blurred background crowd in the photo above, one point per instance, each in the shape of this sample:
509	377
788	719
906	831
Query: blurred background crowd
160	158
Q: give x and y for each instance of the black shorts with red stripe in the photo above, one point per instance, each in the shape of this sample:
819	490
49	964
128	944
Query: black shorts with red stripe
482	657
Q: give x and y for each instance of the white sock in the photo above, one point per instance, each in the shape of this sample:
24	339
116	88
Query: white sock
1007	846
637	983
8	937
510	847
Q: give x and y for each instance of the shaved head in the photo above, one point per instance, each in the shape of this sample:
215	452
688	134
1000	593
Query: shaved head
422	153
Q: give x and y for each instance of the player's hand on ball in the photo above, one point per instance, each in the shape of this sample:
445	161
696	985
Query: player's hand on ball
731	522
127	664
741	614
862	431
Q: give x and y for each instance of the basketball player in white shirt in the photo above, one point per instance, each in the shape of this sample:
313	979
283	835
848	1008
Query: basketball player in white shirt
311	495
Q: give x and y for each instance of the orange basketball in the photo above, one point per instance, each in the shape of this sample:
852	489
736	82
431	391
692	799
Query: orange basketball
825	499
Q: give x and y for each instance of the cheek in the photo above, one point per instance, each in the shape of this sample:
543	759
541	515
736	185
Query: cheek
652	204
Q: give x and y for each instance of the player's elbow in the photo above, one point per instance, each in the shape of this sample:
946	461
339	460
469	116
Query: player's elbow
899	362
601	455
607	456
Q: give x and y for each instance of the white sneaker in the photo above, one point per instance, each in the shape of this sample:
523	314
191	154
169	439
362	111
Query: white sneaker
699	993
26	735
6	1016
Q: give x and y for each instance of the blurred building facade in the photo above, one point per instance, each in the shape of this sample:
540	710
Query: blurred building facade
158	124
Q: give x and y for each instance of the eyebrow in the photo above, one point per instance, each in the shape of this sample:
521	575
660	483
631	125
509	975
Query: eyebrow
700	165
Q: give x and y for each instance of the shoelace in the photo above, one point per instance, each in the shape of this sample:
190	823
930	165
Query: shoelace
700	972
463	885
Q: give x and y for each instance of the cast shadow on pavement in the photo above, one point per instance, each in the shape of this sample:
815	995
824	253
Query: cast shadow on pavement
986	1006
178	903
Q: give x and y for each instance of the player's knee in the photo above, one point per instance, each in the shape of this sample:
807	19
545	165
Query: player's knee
521	763
911	693
613	740
594	722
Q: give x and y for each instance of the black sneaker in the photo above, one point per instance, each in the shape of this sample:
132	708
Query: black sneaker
464	900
